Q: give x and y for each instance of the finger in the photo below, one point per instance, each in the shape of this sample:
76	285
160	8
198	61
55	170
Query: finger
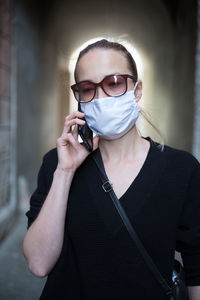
69	123
75	121
67	139
75	114
72	141
75	132
76	145
64	137
95	142
63	140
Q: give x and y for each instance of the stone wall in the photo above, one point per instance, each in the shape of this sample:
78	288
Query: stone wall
7	120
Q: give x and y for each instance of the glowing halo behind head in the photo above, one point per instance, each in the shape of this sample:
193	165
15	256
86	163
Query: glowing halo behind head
75	54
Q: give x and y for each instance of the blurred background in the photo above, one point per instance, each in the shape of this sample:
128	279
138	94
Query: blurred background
39	41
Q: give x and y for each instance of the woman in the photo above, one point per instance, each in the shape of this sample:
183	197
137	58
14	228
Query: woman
75	234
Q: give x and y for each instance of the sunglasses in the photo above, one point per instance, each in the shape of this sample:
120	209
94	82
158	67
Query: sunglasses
113	86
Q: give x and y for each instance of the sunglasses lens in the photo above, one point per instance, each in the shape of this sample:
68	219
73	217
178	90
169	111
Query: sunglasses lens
85	91
114	85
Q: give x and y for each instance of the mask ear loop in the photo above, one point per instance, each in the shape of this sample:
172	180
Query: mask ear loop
135	87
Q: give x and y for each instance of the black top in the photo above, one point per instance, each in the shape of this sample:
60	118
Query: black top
99	260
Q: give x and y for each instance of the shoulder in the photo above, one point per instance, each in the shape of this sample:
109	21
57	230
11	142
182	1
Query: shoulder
177	161
181	156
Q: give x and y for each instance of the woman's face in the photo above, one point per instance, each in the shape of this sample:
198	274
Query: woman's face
98	63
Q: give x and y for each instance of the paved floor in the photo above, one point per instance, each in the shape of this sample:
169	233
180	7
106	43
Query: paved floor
16	281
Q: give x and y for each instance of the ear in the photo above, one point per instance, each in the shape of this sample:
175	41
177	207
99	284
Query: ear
138	91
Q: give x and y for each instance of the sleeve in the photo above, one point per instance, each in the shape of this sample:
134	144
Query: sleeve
188	231
44	180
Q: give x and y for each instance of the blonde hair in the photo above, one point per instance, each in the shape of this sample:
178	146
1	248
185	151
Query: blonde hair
147	118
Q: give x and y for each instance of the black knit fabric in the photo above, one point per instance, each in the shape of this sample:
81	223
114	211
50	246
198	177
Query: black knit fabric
99	260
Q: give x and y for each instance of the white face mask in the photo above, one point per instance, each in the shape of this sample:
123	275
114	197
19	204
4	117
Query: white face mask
112	117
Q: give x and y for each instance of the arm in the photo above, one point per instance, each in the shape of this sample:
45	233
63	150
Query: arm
194	292
44	239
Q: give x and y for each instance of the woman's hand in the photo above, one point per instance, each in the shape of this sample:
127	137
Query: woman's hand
70	152
44	239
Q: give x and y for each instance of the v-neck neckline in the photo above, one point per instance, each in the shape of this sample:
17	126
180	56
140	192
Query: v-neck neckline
138	174
135	196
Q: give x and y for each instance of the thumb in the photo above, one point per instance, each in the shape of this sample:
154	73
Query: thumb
95	142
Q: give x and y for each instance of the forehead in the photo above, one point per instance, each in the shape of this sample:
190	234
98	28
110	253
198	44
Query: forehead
98	63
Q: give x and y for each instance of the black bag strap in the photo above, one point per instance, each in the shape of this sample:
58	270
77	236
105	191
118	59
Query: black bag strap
107	187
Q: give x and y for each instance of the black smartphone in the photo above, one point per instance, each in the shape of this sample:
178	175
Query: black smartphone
85	133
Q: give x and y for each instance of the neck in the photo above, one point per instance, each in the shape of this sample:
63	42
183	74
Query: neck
127	147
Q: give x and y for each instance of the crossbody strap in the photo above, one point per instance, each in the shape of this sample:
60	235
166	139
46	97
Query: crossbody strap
107	187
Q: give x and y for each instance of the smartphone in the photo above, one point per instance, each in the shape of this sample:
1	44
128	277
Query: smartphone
85	133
